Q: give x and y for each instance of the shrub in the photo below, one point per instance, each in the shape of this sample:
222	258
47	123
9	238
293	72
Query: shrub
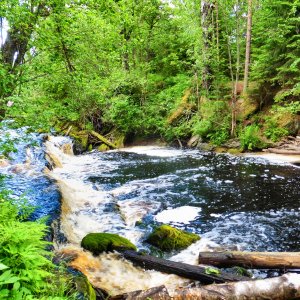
250	139
214	122
26	271
274	132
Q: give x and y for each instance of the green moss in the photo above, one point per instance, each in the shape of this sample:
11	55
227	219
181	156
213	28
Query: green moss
103	148
168	238
234	151
105	242
84	287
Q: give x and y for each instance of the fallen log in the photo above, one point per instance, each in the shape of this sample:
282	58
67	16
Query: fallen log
251	260
283	151
156	293
202	274
103	139
285	287
278	288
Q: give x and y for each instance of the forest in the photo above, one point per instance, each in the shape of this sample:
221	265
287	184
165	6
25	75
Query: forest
168	69
221	75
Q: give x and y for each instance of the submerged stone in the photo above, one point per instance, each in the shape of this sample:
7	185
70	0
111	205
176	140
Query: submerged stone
168	238
105	242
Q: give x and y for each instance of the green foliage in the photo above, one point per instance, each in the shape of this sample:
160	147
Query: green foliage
273	131
105	242
212	271
250	138
7	145
168	238
214	123
25	269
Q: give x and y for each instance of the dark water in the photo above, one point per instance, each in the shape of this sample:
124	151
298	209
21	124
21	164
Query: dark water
247	202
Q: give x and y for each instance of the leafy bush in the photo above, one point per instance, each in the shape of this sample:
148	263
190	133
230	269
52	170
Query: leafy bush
214	123
26	271
250	139
274	132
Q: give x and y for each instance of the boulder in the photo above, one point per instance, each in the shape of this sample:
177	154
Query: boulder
194	140
103	148
105	242
168	238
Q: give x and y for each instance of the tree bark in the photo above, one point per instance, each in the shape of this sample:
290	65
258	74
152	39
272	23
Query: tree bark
248	46
206	12
280	288
285	287
237	73
156	293
253	260
181	269
103	139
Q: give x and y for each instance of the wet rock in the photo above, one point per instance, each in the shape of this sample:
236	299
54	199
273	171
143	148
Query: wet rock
220	150
205	146
246	107
168	238
234	151
105	242
103	148
84	287
233	143
194	140
4	163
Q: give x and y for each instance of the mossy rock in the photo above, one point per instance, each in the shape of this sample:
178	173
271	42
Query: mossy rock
85	288
234	151
105	242
220	150
168	238
246	107
103	148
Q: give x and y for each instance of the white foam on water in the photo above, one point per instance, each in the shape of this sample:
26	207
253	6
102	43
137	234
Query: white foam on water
154	151
182	214
86	210
275	158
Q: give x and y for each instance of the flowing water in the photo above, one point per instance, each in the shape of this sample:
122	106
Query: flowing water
248	203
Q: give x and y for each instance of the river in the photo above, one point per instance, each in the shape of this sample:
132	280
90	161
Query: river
247	203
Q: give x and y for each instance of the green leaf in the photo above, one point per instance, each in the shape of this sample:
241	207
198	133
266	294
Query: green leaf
212	271
3	267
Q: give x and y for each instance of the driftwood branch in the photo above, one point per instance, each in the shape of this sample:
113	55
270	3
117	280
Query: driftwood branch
254	260
201	274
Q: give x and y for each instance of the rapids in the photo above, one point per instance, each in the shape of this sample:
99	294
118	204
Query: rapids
248	203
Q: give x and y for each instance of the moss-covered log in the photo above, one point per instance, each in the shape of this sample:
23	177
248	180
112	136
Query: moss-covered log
103	139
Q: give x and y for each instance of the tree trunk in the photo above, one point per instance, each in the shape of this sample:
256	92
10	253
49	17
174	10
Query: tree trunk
248	46
237	73
285	287
253	260
204	275
156	293
103	139
206	12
